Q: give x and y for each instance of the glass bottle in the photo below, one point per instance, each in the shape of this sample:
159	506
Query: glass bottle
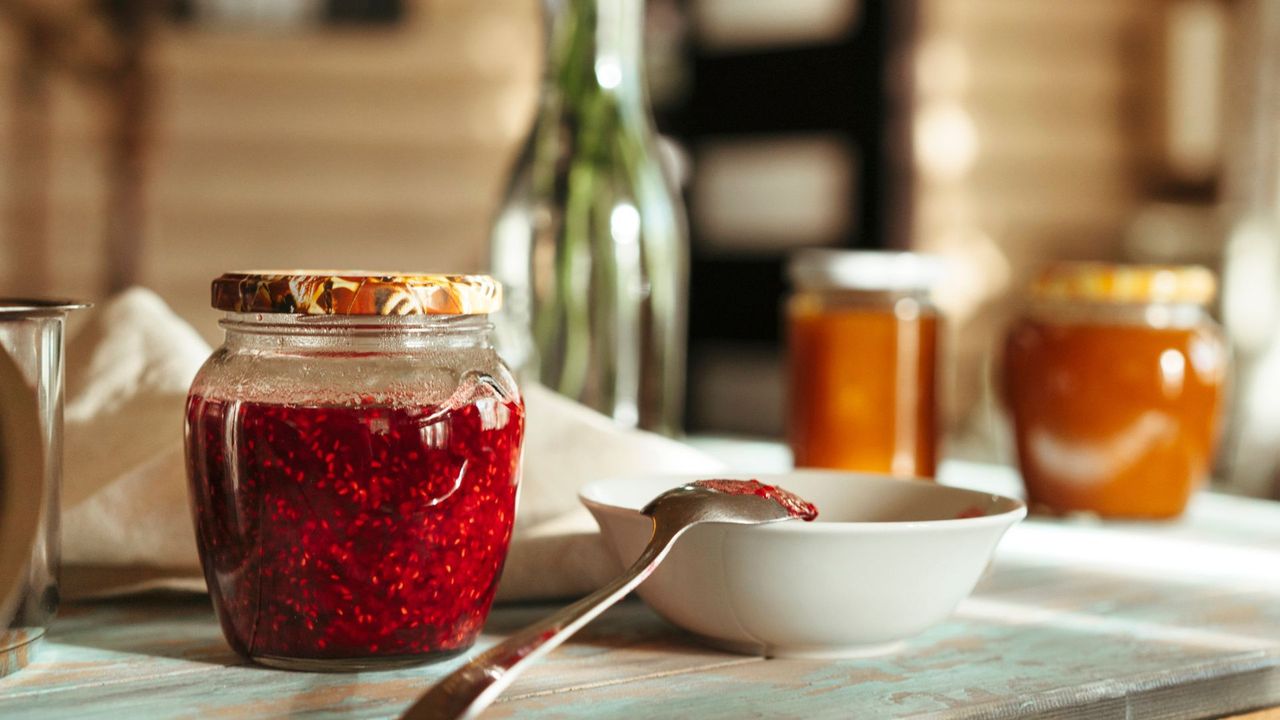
590	240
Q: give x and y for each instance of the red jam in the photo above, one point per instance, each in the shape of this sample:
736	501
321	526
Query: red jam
795	505
352	532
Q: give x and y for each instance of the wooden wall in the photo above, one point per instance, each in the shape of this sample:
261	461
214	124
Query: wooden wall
388	149
1032	132
322	148
1058	94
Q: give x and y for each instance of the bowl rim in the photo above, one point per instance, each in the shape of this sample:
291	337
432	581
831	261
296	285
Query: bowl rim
588	496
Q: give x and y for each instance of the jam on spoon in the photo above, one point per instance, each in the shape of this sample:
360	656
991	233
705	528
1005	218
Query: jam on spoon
472	687
795	505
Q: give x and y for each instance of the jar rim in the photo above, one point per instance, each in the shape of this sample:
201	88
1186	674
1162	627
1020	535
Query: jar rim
295	324
1158	315
355	293
11	307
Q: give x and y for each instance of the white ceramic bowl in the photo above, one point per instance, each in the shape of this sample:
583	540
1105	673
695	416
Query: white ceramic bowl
885	560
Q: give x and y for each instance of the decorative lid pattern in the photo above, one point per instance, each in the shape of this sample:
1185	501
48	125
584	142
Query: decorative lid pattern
1108	282
355	292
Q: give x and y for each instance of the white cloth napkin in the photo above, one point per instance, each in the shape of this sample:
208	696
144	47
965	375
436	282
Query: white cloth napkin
126	524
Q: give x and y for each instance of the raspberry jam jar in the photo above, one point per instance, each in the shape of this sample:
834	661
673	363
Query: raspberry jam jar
862	336
1114	380
353	453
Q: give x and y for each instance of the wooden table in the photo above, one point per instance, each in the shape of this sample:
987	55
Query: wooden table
1074	619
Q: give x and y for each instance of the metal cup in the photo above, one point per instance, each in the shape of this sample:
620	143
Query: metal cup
31	376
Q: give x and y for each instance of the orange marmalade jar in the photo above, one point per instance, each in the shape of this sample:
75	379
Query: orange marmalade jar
1114	379
863	344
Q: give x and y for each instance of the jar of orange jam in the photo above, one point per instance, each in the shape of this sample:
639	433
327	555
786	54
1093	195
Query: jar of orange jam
1114	379
863	343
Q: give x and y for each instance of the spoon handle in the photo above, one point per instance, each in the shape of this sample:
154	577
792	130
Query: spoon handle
472	687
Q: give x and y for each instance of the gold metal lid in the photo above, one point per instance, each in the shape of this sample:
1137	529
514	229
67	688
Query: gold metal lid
355	292
1110	282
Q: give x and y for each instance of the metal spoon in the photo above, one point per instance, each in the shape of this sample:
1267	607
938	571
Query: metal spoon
472	687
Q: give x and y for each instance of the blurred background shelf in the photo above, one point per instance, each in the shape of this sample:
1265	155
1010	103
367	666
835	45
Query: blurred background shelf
1002	134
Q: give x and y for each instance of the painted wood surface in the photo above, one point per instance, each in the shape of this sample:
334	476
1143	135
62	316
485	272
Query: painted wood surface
1074	619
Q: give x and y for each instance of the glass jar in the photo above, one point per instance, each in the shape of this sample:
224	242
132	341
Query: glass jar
31	380
354	455
863	343
1114	379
